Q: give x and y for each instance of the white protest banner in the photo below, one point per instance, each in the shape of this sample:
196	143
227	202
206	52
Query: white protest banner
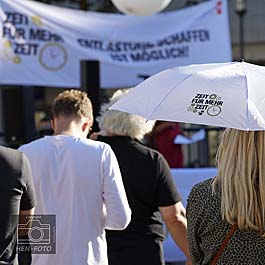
43	44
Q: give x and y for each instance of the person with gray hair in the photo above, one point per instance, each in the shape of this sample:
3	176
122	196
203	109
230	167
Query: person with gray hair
150	190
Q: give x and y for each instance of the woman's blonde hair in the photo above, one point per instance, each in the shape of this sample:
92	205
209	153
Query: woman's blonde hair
241	172
116	122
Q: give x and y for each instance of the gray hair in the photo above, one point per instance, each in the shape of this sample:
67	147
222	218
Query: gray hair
116	122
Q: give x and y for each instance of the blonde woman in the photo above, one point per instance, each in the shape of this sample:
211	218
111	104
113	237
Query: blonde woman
235	196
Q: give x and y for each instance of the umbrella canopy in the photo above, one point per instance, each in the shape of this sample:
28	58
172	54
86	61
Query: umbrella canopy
225	94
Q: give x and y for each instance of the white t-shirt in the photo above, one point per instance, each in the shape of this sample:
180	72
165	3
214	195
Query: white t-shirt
79	181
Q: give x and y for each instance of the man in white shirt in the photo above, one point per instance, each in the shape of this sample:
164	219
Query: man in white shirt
79	181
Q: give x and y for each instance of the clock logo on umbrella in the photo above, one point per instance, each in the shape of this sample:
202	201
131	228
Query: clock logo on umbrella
214	110
206	103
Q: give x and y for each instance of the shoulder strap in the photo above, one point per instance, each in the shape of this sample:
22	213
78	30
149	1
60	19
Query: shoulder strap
222	247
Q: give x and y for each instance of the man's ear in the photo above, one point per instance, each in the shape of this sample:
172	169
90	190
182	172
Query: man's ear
87	124
53	124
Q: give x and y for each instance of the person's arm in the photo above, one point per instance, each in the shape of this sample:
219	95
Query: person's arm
28	199
24	219
24	254
94	135
118	212
176	222
170	206
27	207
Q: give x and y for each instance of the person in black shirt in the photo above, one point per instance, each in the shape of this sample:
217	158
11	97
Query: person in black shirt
150	190
17	198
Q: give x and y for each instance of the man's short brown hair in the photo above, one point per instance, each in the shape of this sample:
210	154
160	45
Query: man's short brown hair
72	103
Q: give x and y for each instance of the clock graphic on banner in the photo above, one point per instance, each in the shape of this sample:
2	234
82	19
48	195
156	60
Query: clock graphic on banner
53	56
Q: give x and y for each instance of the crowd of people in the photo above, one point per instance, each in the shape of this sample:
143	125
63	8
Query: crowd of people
111	194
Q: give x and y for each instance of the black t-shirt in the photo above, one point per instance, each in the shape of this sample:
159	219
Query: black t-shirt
148	183
16	193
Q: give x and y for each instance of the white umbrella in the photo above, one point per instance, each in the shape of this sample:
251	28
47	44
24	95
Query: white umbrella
225	94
